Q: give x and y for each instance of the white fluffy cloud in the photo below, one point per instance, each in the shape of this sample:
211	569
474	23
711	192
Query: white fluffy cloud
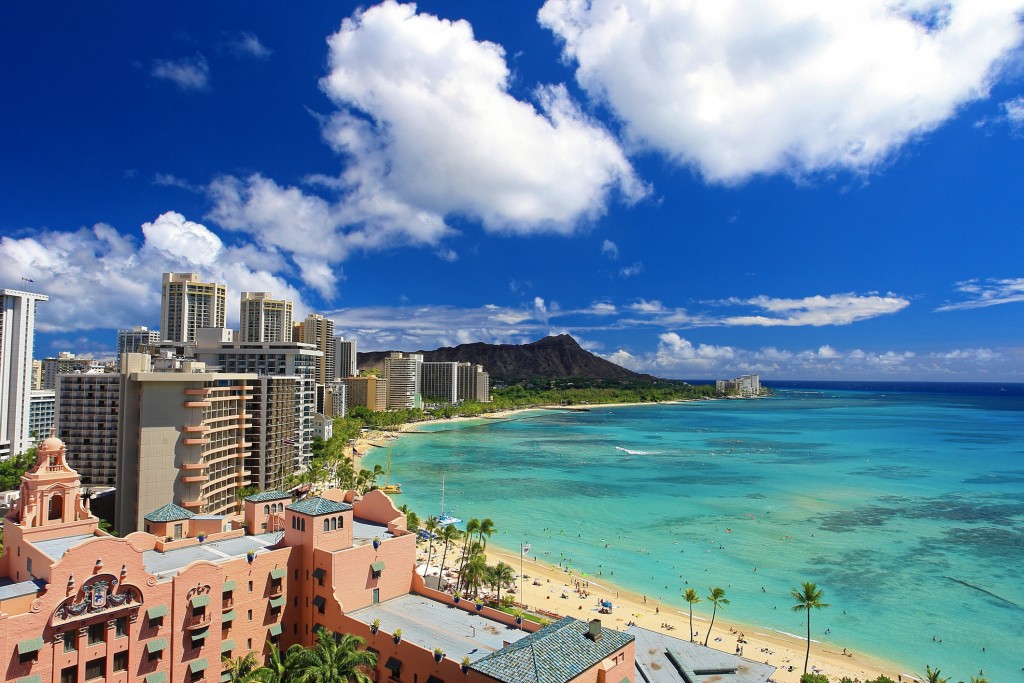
736	89
816	311
428	131
99	278
984	293
427	120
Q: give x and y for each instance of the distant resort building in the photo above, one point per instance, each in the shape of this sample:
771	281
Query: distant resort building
177	602
746	386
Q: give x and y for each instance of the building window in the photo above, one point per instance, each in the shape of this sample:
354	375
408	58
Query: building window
94	668
70	641
250	586
69	674
179	531
121	627
97	634
120	661
250	615
327	524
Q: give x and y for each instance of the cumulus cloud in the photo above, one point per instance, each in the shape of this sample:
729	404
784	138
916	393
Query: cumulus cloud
610	249
735	89
632	269
428	131
188	73
984	293
426	119
100	278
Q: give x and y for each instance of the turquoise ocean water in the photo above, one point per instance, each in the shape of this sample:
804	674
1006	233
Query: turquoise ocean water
905	507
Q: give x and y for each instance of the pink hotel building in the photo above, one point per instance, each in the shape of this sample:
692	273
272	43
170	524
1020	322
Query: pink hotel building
170	603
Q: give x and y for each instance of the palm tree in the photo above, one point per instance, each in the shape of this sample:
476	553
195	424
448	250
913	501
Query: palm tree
412	520
474	573
502	575
431	526
932	675
273	671
449	534
472	527
331	660
691	597
243	669
486	529
807	597
717	597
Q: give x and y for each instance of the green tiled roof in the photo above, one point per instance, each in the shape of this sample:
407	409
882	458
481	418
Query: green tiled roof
156	612
30	645
228	616
227	646
267	496
229	585
276	629
277	602
169	513
318	506
158	677
156	645
557	653
197	665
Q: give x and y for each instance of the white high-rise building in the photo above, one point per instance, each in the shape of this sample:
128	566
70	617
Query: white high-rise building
17	337
41	414
132	339
474	383
402	374
187	304
439	382
264	319
345	358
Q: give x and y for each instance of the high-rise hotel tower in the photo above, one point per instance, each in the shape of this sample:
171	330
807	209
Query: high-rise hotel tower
188	304
17	337
265	319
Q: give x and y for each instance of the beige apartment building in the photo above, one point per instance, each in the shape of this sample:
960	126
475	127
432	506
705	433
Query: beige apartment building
188	304
181	439
474	383
273	435
264	319
318	331
402	373
363	391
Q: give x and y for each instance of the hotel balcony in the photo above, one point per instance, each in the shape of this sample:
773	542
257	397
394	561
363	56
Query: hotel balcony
199	621
196	428
276	589
197	404
205	391
193	503
194	466
196	441
195	479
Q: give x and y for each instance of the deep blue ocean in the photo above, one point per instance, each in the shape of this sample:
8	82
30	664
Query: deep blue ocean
904	502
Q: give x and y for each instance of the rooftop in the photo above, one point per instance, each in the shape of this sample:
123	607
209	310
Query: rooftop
661	658
318	506
557	653
54	548
10	589
364	531
168	513
431	624
267	496
168	563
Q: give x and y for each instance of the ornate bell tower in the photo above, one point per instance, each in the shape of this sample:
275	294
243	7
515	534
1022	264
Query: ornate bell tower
50	492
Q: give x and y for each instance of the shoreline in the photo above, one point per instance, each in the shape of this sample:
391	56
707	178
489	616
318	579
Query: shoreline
557	593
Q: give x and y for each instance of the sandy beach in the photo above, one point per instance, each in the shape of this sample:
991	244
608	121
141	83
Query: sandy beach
550	588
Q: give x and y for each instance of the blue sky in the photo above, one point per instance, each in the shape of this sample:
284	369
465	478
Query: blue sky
792	188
